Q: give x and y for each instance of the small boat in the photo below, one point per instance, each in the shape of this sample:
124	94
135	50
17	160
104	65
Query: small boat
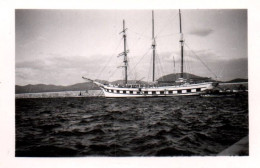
181	87
80	94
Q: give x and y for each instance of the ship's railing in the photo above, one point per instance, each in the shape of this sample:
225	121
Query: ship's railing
154	85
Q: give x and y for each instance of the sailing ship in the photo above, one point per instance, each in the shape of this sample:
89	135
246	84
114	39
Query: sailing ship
181	87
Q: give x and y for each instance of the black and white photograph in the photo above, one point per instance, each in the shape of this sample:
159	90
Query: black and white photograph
131	83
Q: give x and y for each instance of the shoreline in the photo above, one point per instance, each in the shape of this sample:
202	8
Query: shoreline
89	93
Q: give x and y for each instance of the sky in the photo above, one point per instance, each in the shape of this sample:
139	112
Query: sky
60	46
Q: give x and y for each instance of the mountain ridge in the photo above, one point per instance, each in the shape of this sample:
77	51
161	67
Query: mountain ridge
39	88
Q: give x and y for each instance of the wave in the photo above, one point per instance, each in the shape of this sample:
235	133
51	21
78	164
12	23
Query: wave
174	126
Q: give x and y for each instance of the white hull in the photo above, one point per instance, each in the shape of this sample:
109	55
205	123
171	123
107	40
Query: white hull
163	91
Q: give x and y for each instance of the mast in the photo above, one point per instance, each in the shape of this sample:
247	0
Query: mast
181	41
153	46
125	51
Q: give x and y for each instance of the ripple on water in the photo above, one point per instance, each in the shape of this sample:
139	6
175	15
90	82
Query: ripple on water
173	126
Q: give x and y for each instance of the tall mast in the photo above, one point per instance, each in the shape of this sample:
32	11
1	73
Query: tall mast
153	46
125	51
181	41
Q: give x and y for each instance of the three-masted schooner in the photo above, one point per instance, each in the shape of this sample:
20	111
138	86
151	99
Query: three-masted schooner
180	88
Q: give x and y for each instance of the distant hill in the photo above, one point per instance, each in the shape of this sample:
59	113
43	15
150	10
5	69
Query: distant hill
53	88
172	77
237	80
102	81
90	86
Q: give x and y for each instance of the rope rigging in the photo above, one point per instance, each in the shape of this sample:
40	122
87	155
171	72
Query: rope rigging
167	35
187	66
159	67
201	61
140	59
139	34
150	68
110	58
166	24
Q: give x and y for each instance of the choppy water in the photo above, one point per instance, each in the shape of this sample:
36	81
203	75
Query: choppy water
168	126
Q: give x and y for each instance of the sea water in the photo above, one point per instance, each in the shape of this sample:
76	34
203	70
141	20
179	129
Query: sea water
98	126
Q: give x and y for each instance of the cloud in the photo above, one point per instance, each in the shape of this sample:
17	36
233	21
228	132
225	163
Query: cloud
207	63
236	68
65	70
58	69
33	64
191	55
201	32
55	61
